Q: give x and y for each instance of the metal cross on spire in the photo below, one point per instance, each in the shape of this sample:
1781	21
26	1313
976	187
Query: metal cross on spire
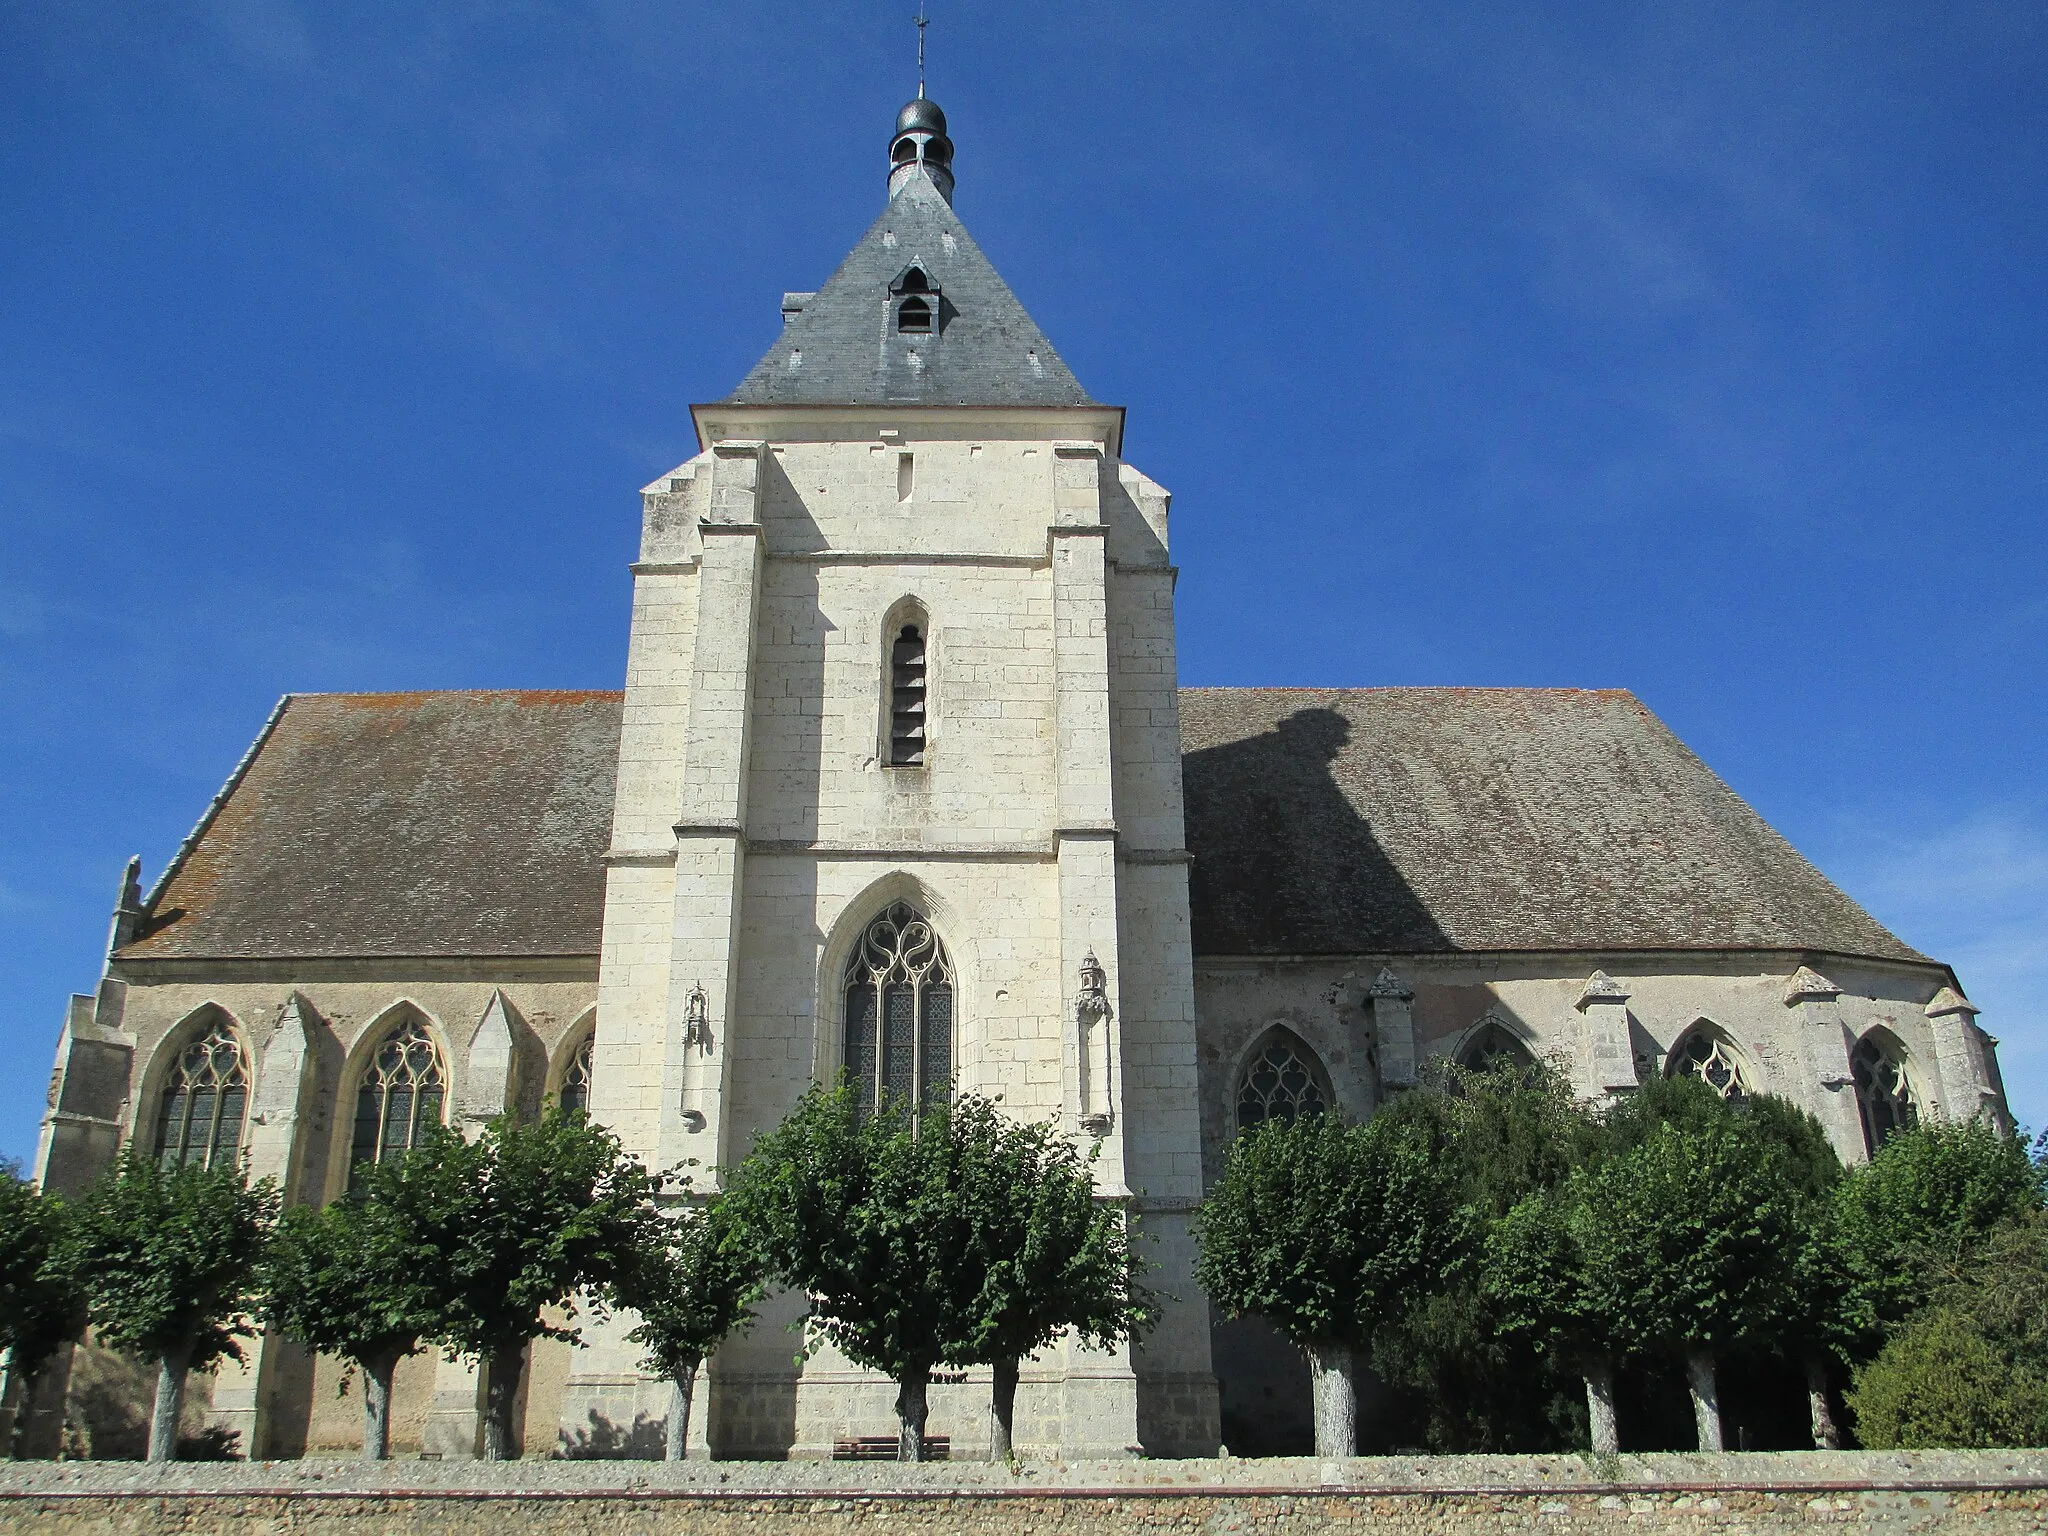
923	21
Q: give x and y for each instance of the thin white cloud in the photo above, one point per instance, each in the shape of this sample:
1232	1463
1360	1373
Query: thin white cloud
1972	892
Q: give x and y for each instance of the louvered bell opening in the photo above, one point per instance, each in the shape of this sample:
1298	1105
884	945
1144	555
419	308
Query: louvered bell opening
906	699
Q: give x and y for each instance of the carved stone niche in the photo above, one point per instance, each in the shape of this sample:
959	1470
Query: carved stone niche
1092	1012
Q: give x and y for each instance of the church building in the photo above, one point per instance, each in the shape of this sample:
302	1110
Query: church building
902	783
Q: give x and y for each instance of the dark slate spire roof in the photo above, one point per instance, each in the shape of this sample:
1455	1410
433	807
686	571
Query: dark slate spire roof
843	346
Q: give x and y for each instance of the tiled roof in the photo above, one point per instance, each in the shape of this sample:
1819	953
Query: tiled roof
842	347
404	824
1356	821
1344	821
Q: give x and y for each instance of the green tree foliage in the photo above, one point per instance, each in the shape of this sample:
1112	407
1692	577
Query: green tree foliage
1326	1229
1917	1215
1970	1369
526	1217
1534	1274
41	1306
1475	1386
694	1280
897	1226
363	1278
1053	1257
1691	1232
168	1259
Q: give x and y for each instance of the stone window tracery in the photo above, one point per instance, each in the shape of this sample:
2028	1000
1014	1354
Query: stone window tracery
400	1096
575	1090
204	1102
1884	1093
899	1012
1279	1083
1708	1055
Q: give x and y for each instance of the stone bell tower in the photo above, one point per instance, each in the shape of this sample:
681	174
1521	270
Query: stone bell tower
899	795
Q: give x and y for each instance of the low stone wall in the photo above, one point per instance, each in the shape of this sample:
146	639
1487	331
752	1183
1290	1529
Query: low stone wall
1988	1492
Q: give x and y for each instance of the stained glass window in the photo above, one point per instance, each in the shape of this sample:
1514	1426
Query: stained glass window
205	1096
400	1096
899	1011
1279	1084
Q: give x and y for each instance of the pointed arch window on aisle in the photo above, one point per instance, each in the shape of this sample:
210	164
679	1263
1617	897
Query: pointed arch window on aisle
1707	1055
400	1096
899	1012
1493	1047
575	1091
1884	1094
204	1100
1280	1083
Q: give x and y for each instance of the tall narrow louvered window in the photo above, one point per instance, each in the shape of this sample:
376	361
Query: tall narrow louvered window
575	1091
400	1097
205	1097
907	698
899	1012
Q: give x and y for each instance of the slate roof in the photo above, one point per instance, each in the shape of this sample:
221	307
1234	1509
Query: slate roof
842	348
1405	820
1352	821
403	824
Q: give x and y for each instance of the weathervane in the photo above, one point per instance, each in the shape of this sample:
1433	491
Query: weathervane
923	21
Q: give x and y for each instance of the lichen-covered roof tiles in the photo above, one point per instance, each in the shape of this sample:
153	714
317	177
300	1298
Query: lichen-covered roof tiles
1342	821
404	824
1402	820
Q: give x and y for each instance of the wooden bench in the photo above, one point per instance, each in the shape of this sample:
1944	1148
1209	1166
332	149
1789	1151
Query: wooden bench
883	1448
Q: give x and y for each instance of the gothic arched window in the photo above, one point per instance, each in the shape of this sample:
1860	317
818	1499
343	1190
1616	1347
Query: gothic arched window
400	1096
899	1012
907	698
200	1117
1884	1093
1709	1055
1493	1046
575	1090
1279	1083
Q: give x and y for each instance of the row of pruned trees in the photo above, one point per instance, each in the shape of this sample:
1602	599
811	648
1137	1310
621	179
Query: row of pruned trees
1493	1248
948	1238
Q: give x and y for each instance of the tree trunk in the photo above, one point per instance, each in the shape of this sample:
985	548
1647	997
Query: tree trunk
911	1409
1336	1400
377	1372
681	1388
1002	1406
1706	1397
170	1403
501	1392
1827	1435
1600	1415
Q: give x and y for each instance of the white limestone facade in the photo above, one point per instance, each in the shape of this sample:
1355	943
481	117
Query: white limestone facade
760	827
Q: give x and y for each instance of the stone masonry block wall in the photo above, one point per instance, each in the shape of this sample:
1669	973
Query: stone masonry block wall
1978	1492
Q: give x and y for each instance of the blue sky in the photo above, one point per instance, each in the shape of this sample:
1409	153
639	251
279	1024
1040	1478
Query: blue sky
1697	350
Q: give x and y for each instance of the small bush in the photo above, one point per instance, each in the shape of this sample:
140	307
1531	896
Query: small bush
1944	1381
